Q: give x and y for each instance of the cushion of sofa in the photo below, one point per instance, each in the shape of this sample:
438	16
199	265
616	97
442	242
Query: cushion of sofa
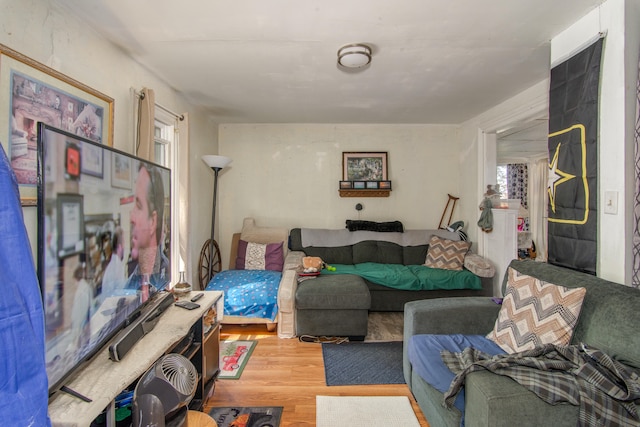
479	265
252	233
446	254
613	331
259	256
337	292
424	355
414	255
535	312
335	255
377	251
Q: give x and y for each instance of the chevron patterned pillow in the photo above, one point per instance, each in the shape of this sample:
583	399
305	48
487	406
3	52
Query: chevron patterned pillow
446	254
535	313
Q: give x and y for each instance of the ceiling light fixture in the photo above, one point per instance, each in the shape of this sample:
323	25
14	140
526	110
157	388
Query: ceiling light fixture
354	55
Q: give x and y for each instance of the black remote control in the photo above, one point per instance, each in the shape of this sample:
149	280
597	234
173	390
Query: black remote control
197	297
187	304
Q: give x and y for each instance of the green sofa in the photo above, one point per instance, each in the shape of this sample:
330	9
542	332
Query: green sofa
338	304
608	321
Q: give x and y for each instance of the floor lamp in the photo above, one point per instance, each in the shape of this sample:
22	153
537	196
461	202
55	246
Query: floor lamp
217	163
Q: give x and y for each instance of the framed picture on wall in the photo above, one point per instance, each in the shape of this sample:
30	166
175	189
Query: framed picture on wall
364	166
31	92
70	215
92	161
121	171
72	161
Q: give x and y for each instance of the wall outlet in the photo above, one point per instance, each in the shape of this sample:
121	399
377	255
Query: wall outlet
611	202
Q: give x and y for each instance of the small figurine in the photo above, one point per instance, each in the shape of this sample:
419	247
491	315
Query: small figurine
486	217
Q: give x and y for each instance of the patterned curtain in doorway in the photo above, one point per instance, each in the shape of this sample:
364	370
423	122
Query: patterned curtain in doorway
517	183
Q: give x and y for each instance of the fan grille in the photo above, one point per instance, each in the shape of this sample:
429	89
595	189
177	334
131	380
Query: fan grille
180	373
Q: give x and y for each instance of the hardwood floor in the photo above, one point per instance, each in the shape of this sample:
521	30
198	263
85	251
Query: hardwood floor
288	373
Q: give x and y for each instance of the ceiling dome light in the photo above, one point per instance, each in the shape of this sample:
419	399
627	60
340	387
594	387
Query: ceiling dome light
354	55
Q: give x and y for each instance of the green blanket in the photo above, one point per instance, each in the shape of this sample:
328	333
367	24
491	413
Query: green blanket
410	277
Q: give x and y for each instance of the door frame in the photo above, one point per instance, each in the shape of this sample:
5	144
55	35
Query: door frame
533	105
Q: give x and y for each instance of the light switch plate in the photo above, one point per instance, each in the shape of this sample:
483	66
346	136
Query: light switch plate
611	202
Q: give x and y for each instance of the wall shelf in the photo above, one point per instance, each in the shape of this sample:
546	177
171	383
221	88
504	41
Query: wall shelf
364	193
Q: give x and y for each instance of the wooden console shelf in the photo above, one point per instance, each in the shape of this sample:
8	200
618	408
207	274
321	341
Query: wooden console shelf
102	379
364	193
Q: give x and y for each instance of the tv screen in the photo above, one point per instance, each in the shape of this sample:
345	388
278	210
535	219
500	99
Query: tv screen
103	244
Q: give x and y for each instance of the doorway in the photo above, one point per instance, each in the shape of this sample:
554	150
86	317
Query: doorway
522	150
513	122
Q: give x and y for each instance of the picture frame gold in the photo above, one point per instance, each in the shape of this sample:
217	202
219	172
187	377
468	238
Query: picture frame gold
31	92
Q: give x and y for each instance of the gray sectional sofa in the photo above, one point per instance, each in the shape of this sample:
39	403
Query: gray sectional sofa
338	304
608	321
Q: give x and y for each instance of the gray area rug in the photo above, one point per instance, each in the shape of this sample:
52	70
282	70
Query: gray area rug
361	363
385	326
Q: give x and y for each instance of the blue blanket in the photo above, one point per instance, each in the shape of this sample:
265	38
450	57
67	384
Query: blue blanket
410	277
424	354
248	293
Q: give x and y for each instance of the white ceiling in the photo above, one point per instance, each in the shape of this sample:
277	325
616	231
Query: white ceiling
274	61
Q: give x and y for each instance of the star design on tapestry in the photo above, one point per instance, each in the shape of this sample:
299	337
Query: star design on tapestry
556	177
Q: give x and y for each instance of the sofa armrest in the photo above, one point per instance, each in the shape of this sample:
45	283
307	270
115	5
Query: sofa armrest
459	315
444	316
287	304
287	294
293	260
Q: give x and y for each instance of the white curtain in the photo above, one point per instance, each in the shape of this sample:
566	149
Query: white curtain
184	194
538	172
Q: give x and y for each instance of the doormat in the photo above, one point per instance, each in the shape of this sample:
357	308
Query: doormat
361	363
233	358
365	411
251	416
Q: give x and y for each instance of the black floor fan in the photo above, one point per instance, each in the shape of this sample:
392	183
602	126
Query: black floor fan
162	395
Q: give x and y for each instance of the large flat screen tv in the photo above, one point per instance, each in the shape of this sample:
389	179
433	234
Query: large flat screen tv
103	244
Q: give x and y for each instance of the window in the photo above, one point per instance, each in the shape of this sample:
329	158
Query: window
165	152
502	181
163	136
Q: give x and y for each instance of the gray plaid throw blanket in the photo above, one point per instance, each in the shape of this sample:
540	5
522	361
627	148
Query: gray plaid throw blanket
604	388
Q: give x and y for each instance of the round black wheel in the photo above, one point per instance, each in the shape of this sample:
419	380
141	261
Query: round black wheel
210	262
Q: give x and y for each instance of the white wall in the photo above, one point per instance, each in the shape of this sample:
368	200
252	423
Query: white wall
479	166
287	175
42	31
618	19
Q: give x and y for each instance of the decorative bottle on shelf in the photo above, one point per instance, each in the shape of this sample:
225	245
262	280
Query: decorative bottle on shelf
182	287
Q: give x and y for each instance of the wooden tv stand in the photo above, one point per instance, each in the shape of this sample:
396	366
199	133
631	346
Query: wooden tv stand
102	379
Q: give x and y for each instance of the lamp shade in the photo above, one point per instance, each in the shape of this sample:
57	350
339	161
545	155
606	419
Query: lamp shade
354	55
215	161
